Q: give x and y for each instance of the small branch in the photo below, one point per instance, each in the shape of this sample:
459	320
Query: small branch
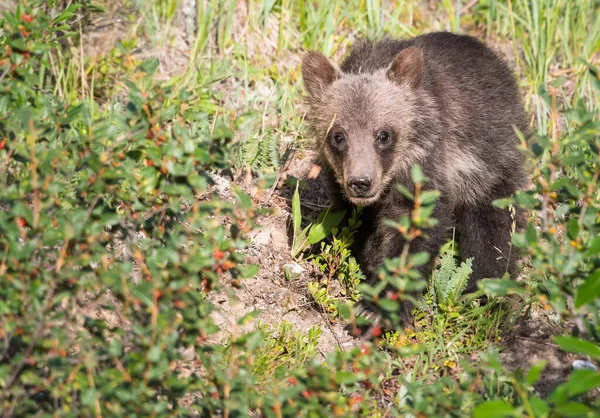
5	72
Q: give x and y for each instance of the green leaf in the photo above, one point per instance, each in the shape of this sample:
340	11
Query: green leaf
347	377
402	189
30	377
89	397
419	259
296	213
248	317
539	406
154	354
582	381
4	373
249	271
149	66
572	409
389	305
594	247
300	241
500	287
319	231
594	76
576	345
115	348
429	197
244	200
441	279
494	409
562	211
221	132
459	280
573	228
63	16
255	339
531	234
198	182
535	372
417	175
589	290
344	310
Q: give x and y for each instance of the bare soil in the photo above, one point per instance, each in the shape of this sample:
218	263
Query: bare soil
528	342
281	298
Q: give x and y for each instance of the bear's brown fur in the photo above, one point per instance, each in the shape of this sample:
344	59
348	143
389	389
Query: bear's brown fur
441	100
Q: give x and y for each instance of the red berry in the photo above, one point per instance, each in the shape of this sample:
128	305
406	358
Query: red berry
26	18
376	331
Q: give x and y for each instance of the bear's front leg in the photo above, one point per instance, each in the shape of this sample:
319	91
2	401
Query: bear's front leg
377	241
484	234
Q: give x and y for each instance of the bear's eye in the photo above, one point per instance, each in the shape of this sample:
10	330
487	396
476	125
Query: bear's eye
384	137
338	139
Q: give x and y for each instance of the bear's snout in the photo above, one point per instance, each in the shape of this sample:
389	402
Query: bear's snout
360	186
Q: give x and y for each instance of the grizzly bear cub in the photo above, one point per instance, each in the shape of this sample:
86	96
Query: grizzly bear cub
443	101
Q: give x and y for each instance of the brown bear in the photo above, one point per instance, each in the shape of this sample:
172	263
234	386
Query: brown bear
443	101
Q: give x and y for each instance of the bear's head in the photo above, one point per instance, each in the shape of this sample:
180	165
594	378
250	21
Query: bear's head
366	123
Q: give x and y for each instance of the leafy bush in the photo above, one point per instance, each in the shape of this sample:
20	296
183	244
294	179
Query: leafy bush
111	241
564	248
107	252
338	267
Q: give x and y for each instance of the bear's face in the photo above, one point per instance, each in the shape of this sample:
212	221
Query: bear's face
364	122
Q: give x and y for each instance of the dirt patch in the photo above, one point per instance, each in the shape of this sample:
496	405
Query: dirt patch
529	342
277	295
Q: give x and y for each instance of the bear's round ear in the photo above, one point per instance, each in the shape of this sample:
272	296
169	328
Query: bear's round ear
318	73
407	67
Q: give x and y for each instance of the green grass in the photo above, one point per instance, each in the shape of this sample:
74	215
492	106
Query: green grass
551	42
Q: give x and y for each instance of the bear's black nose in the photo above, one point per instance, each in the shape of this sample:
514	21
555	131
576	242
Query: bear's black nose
360	186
